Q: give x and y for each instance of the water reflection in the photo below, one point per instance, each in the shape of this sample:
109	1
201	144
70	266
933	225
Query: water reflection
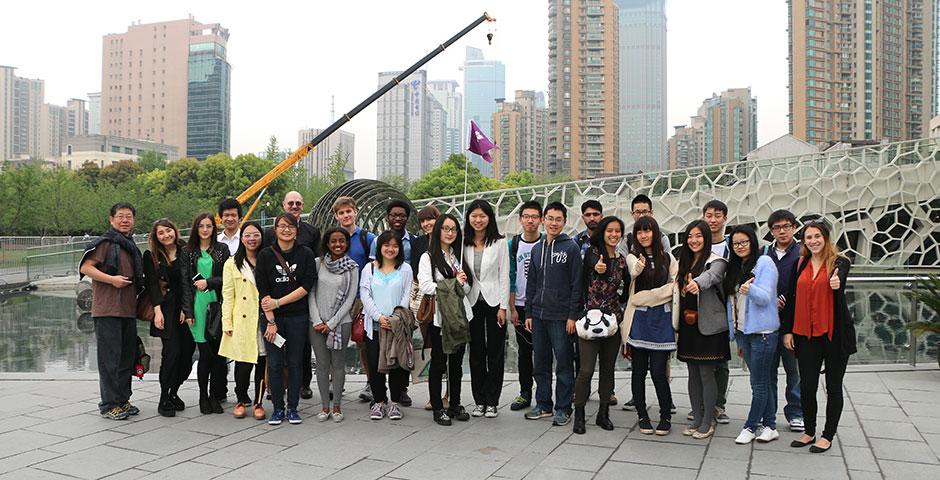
49	333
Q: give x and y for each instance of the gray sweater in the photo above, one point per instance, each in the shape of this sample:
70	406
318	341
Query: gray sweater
324	295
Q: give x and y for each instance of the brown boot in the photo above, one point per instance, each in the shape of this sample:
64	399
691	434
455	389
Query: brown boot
259	412
239	410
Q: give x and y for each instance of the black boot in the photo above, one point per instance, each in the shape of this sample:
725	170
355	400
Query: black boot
579	420
165	405
204	407
603	416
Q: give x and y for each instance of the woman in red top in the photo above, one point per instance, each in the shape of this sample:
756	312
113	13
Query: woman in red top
821	330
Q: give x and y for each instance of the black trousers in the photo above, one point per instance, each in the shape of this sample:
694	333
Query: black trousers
603	351
176	359
211	371
524	361
654	362
397	377
307	363
440	361
487	354
811	353
116	340
243	378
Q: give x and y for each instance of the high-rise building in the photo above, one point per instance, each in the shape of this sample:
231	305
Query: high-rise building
28	98
445	92
77	121
317	163
483	82
583	71
402	140
437	132
724	130
862	69
168	82
94	113
55	123
642	85
519	130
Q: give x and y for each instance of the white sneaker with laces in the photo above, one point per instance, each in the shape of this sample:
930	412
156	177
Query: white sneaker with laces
796	425
478	411
491	412
745	437
768	435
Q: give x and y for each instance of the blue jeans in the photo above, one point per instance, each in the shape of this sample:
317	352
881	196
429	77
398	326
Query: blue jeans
294	329
794	407
550	340
760	352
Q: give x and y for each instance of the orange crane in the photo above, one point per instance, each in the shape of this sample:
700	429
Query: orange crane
262	183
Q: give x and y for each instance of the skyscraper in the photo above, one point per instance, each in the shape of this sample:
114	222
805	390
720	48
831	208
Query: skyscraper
445	92
642	85
437	132
519	129
94	113
402	140
723	130
584	92
317	163
862	69
21	106
77	117
483	82
168	82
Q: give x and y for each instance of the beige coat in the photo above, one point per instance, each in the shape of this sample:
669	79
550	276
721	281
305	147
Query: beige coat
240	313
650	298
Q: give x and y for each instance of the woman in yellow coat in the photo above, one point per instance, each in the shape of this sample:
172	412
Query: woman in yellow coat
240	314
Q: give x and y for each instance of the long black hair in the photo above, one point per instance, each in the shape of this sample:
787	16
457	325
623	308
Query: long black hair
194	240
492	230
597	239
242	253
660	267
386	237
325	243
740	269
688	264
436	252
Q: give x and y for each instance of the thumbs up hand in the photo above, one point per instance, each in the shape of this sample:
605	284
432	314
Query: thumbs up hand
600	267
834	281
746	286
690	285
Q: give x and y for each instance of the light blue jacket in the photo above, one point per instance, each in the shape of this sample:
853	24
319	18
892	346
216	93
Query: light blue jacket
760	312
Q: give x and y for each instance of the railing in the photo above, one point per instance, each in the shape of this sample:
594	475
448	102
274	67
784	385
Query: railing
881	199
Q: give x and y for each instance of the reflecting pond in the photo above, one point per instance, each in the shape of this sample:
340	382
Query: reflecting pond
49	333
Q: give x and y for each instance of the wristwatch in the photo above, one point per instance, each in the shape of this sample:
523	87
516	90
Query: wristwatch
271	322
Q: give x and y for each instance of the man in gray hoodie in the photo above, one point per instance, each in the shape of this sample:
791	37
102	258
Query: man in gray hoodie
553	302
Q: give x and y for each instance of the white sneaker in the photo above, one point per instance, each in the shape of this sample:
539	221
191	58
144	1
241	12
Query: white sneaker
478	411
796	425
323	416
745	437
767	435
491	412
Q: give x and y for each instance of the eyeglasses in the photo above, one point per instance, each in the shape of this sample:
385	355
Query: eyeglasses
205	227
781	227
284	227
251	236
293	203
743	244
554	220
449	229
531	217
398	215
642	213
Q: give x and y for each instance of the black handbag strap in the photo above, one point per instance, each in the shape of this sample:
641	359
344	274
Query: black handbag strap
284	265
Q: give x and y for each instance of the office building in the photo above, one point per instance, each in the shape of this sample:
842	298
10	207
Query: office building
317	162
642	85
483	82
519	129
583	79
445	92
169	83
94	113
103	150
402	128
862	69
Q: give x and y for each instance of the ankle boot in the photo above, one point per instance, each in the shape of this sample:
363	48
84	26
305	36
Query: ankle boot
165	405
603	416
204	407
579	420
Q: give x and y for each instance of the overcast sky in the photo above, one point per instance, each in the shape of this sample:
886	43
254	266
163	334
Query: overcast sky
288	58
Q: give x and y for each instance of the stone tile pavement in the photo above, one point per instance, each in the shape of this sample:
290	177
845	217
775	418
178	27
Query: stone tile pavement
49	429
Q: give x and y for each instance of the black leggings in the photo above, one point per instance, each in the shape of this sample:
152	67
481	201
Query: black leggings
811	353
487	354
243	378
655	362
602	351
176	356
211	369
440	361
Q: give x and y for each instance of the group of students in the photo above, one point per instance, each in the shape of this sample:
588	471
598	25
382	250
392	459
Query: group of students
266	299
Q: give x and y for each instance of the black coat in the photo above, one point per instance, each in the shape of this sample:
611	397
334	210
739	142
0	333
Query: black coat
219	253
179	295
843	330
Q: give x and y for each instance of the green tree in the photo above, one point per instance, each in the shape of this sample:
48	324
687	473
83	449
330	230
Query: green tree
88	173
181	174
120	172
20	199
335	171
152	160
448	179
273	152
399	182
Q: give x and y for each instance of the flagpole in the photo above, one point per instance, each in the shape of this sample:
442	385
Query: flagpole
466	175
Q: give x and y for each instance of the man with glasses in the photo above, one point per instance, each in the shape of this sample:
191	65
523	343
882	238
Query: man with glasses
520	254
309	236
785	252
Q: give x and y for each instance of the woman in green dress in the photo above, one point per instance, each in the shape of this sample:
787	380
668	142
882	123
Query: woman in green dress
206	258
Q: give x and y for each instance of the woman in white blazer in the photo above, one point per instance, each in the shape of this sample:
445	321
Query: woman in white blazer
487	255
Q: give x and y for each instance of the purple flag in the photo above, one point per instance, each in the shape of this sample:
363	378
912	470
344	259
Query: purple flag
479	144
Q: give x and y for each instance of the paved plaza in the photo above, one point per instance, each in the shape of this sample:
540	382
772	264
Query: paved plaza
50	430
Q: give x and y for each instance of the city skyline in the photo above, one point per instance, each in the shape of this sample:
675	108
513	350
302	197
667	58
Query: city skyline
263	57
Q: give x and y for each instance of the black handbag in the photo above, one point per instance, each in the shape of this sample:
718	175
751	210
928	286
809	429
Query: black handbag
214	320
